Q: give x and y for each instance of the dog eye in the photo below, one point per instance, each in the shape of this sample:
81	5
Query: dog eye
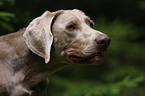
71	27
91	23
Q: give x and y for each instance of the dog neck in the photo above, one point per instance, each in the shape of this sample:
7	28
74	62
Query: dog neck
36	70
27	69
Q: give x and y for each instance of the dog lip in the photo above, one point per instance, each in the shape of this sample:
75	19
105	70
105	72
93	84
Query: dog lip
94	58
75	58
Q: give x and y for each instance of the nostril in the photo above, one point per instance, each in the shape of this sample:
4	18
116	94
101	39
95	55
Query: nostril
102	40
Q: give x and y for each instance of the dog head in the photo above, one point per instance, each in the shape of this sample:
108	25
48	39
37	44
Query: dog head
73	37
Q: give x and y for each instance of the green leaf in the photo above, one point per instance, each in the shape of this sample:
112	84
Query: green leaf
7	14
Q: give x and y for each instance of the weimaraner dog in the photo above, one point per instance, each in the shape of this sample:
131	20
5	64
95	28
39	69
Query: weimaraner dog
49	43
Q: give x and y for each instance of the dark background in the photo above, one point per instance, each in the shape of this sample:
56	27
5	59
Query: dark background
123	71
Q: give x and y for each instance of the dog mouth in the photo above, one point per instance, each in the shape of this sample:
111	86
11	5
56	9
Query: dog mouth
91	59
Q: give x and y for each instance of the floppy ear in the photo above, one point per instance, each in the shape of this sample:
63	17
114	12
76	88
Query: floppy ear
38	36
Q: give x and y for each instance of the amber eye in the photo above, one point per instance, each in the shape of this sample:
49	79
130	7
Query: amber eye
71	27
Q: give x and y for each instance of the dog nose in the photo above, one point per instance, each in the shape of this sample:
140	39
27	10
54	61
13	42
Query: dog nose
102	40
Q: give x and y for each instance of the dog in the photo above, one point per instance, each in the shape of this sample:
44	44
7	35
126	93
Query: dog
50	42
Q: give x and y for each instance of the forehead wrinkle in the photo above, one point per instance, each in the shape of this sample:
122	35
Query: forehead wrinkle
66	18
74	16
81	16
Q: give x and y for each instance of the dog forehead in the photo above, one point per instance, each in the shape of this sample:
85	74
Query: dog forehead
69	15
74	12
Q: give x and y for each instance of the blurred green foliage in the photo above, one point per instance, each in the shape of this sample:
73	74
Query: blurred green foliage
5	17
74	87
121	73
142	4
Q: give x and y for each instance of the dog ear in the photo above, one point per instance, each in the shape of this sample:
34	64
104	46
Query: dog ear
38	35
